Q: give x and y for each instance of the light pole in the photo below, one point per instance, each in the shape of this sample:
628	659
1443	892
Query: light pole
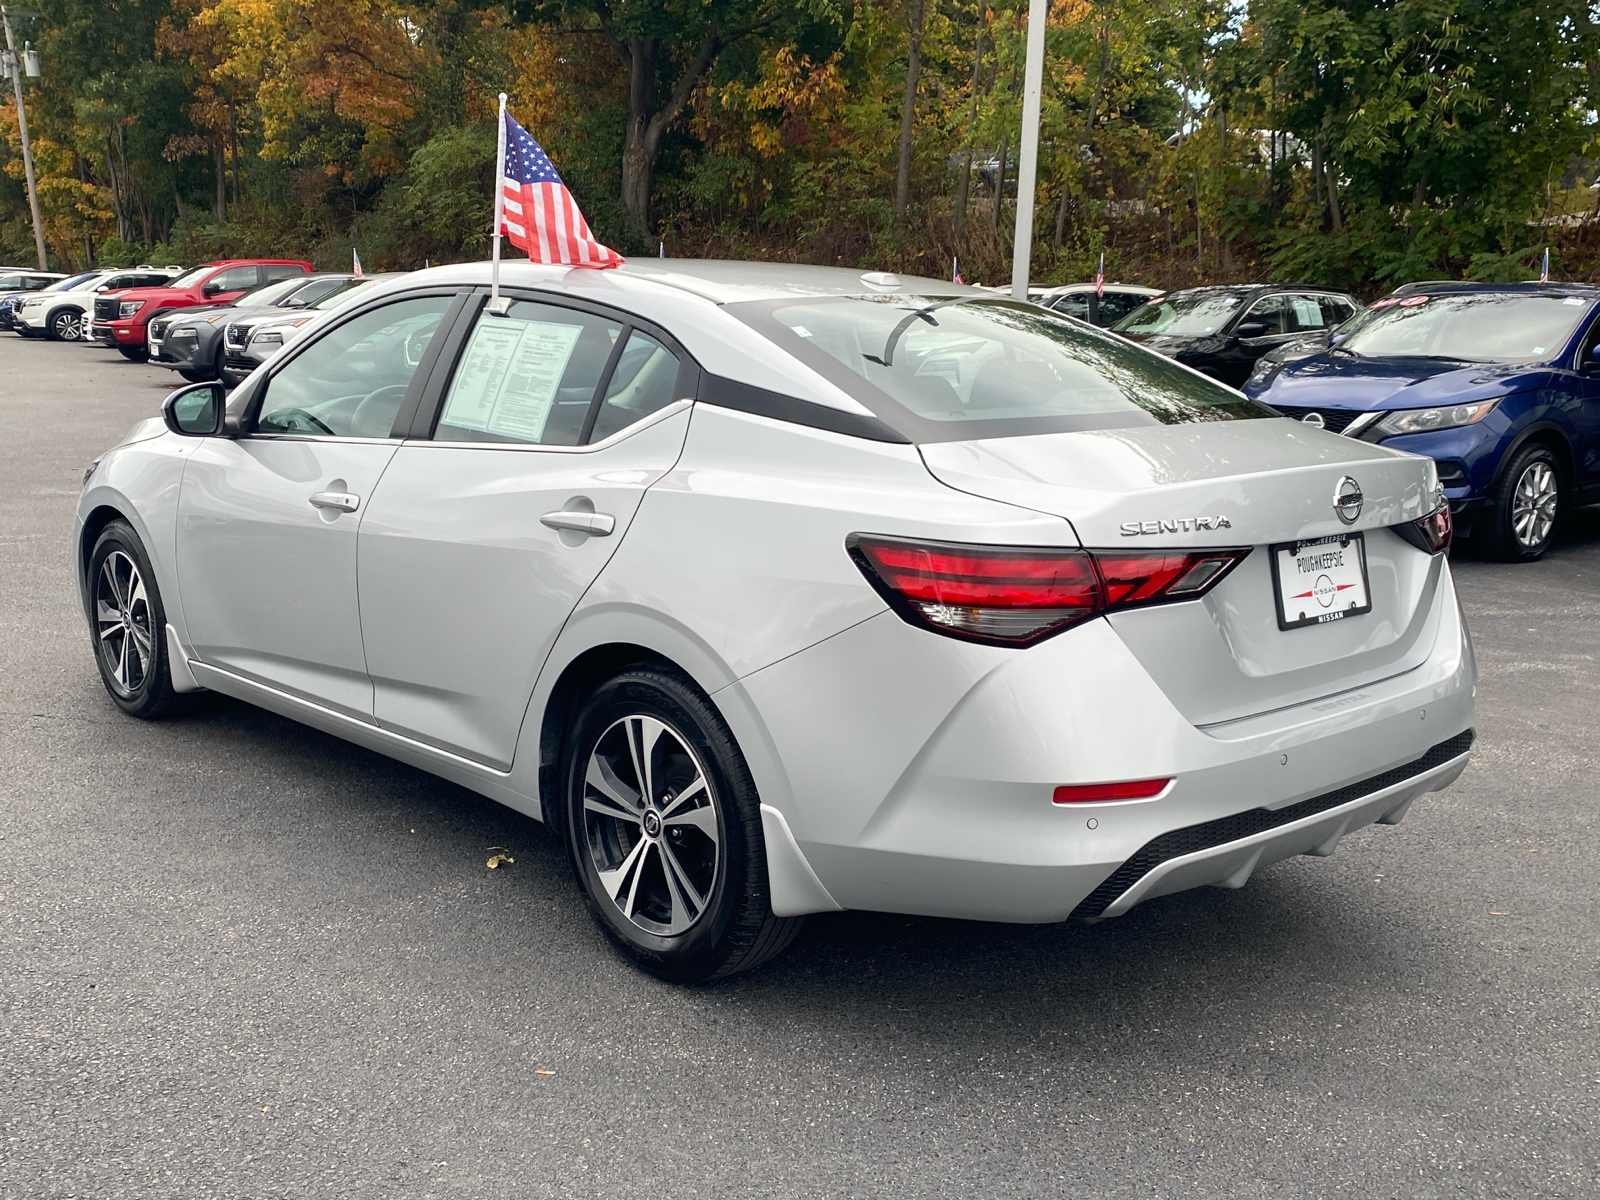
15	67
1032	83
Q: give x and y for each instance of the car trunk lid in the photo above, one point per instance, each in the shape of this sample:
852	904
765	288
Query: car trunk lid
1256	483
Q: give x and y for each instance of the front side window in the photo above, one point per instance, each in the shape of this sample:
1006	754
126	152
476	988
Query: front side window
952	369
350	381
234	279
267	296
1468	327
1268	313
528	377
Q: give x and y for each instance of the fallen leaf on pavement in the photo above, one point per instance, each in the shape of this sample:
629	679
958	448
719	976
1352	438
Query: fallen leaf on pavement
542	1071
497	856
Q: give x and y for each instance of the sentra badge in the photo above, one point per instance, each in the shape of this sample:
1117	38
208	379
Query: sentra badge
1174	525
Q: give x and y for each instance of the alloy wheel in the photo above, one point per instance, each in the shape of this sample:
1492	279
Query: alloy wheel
69	327
122	620
1533	504
650	825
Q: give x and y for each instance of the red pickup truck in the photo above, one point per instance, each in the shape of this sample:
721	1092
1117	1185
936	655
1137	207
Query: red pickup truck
120	317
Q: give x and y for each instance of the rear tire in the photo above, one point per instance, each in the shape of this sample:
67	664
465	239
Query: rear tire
128	625
1525	507
674	869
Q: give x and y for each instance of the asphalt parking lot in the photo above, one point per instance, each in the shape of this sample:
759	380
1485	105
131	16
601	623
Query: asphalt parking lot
240	958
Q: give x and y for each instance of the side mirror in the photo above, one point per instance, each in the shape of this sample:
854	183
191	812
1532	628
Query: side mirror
195	411
211	288
1591	358
1251	329
1335	337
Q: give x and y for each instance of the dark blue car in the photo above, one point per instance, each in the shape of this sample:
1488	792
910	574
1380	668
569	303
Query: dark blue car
1497	383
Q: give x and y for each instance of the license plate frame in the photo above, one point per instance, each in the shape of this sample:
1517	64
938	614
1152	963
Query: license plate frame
1335	574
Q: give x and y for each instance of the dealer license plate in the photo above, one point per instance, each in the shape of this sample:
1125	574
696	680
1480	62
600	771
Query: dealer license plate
1320	581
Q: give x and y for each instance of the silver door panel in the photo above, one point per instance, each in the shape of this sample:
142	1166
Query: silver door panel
464	585
268	577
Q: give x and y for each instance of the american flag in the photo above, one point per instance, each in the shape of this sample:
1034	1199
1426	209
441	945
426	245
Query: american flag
537	212
1100	278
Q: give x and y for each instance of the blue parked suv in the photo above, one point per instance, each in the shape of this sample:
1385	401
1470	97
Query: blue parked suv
1498	383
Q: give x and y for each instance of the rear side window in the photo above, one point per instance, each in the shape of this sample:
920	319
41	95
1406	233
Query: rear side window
276	271
529	376
950	369
1336	311
644	380
1305	315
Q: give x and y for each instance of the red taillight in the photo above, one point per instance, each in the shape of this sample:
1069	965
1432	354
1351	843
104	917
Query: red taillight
1127	789
1017	595
1433	531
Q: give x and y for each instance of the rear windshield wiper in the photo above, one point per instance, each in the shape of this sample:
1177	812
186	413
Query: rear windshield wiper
899	330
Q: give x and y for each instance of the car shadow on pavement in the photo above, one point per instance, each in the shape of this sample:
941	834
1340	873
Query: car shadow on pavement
371	835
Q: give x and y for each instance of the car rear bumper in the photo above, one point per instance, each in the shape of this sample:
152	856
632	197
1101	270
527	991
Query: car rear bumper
917	773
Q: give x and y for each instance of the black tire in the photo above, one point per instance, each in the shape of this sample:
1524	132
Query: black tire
136	354
1526	506
201	376
134	668
734	928
65	326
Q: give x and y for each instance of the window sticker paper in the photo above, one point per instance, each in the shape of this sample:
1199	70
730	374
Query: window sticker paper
509	375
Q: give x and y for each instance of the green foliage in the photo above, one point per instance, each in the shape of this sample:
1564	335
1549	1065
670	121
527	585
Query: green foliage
1413	138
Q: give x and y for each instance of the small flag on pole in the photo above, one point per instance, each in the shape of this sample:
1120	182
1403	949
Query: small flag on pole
1544	267
355	259
955	270
1100	277
537	212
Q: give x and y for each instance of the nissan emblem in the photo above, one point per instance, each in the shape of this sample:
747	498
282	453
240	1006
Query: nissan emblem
1347	500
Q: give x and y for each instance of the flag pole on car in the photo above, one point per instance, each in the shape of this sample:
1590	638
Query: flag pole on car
499	205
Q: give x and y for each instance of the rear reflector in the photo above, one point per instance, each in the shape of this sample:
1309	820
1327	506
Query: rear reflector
1131	789
1018	595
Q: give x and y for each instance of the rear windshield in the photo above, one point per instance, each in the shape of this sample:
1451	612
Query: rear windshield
1185	314
951	369
1468	326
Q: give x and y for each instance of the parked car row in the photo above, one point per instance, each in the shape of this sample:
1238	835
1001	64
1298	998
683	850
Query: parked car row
217	321
1498	383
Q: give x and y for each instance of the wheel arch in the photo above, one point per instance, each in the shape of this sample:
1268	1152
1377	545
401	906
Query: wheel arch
1548	434
575	681
94	523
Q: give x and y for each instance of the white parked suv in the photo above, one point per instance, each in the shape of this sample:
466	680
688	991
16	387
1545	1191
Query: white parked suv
63	316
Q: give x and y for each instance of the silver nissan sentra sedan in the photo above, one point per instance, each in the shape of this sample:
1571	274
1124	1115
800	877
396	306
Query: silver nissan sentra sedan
776	590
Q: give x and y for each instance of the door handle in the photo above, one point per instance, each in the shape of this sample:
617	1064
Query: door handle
343	501
592	523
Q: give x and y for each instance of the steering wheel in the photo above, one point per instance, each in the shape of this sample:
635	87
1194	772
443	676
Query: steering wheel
296	420
374	416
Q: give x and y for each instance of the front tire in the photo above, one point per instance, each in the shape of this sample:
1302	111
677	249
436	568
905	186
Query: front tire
1528	500
66	326
136	354
129	624
663	827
